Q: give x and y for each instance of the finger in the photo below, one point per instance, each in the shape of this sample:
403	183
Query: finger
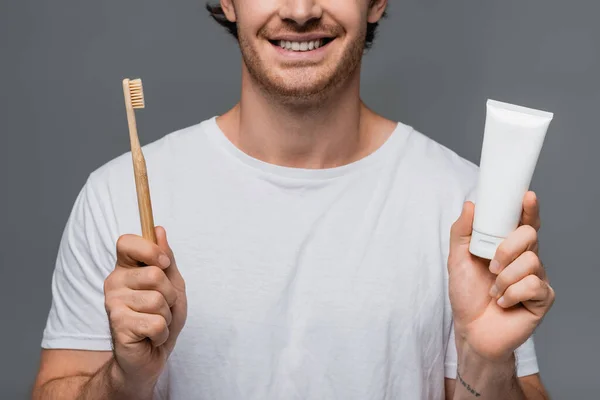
172	271
530	288
531	211
526	264
522	239
152	326
130	326
151	278
147	302
460	233
133	250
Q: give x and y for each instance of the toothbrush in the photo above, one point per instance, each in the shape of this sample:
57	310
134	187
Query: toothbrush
134	99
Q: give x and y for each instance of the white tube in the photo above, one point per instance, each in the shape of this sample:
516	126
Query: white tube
512	142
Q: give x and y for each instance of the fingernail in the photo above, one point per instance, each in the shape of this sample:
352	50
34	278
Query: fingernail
501	301
494	291
494	267
164	261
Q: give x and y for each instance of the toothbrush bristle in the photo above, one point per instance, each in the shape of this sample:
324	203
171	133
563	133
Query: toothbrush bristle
137	93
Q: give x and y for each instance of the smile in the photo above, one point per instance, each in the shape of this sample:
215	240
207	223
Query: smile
301	46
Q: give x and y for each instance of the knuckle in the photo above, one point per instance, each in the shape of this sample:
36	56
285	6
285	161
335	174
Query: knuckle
502	282
109	303
122	242
154	274
532	259
509	294
157	325
112	301
174	297
533	284
502	253
108	284
155	300
112	281
116	316
530	231
168	317
551	294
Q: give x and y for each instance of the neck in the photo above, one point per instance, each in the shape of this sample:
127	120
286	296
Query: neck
335	130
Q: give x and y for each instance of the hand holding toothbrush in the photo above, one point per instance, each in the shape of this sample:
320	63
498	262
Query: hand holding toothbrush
147	309
145	296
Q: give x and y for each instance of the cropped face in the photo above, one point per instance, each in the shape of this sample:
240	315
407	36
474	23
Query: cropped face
302	48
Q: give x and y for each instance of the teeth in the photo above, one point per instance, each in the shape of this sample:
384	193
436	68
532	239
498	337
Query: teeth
300	46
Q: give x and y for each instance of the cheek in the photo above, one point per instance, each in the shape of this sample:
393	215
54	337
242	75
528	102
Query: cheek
252	15
350	14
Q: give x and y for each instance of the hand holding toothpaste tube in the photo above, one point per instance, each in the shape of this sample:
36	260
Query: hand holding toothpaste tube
499	290
497	305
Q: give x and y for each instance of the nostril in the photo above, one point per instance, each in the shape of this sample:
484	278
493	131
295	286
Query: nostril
302	13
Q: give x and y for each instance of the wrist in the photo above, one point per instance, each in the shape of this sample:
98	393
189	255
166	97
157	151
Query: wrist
466	353
482	352
490	378
127	387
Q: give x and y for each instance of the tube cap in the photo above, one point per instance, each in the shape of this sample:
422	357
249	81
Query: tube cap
483	245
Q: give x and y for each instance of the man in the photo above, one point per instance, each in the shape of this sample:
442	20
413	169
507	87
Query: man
316	249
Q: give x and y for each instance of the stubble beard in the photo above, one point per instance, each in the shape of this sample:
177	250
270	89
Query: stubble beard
314	87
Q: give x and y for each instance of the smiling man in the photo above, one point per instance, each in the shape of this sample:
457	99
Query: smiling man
316	250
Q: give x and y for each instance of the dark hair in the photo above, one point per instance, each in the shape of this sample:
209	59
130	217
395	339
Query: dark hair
217	13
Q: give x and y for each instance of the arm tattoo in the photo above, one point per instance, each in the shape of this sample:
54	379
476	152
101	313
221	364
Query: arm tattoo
467	386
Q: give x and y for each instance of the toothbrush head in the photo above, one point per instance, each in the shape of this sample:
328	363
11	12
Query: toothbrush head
136	92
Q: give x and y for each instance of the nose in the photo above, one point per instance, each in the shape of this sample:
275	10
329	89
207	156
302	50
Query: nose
300	11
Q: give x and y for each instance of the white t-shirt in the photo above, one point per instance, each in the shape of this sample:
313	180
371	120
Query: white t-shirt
302	284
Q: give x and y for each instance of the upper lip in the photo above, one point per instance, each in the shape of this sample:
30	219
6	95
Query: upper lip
302	38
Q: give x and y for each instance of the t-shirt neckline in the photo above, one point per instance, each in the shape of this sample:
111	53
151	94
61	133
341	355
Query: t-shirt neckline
398	135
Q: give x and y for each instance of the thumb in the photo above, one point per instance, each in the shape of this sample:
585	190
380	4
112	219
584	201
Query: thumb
179	309
172	271
460	234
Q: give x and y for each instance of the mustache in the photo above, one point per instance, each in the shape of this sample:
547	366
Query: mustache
290	27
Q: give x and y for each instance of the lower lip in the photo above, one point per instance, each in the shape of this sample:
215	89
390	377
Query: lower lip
302	55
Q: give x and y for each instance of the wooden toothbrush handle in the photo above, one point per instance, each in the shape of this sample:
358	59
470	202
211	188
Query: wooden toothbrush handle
143	196
139	171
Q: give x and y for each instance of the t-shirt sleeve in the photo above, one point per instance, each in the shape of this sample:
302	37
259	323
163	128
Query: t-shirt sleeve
526	360
86	256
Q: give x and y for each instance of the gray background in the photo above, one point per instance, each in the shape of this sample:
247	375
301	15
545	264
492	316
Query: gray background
433	66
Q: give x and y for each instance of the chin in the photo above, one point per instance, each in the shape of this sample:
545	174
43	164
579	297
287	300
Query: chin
300	81
299	85
302	93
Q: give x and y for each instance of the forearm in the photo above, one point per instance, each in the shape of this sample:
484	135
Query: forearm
106	383
483	379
